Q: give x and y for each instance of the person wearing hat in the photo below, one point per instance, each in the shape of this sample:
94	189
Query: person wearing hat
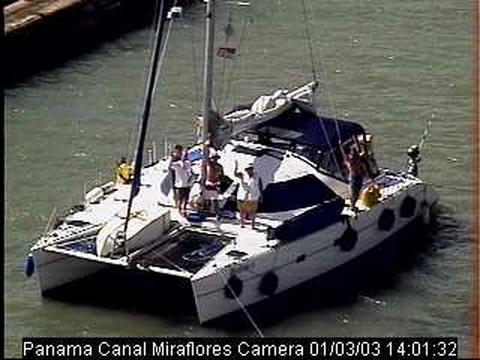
211	184
248	194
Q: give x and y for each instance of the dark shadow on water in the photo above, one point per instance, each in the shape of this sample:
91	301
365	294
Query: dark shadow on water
50	43
172	300
134	292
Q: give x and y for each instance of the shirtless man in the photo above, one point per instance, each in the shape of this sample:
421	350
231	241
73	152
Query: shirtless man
211	184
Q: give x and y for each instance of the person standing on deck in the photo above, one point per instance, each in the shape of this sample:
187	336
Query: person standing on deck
182	175
357	170
124	172
211	183
248	194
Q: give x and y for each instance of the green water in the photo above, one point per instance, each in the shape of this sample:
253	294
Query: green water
390	64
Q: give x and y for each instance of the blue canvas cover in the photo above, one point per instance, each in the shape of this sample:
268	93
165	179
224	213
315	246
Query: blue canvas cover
295	194
311	221
305	127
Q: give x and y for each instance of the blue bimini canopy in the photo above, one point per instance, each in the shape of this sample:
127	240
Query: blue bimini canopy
304	127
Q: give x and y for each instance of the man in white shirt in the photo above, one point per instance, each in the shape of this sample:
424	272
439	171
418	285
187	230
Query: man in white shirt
248	195
182	176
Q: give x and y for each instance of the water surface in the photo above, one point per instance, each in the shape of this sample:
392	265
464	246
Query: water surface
393	65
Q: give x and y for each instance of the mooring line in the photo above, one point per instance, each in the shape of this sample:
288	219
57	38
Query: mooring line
242	306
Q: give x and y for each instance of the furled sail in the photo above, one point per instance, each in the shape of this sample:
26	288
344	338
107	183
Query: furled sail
264	108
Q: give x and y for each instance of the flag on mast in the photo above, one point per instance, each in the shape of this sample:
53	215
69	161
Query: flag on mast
226	52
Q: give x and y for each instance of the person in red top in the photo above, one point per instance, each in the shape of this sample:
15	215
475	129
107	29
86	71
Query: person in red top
357	171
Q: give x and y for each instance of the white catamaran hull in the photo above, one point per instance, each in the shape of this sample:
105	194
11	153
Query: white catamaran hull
280	268
56	268
303	259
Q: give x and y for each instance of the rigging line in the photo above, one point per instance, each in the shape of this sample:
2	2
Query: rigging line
309	42
228	30
75	241
162	54
130	146
332	149
330	100
163	257
171	262
323	72
249	53
196	98
431	73
48	226
425	132
236	62
165	45
323	82
242	306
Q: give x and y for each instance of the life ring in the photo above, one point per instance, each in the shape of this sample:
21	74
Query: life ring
386	220
425	211
234	287
268	284
407	209
347	241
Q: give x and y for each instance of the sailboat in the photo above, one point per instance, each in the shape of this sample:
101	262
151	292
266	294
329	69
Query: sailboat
306	226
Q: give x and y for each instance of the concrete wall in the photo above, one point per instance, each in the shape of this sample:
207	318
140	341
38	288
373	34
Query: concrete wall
40	34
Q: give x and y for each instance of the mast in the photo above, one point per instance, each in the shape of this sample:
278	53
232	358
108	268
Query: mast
147	104
208	76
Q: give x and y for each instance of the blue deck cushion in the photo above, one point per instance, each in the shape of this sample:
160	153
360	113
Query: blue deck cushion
311	221
85	246
196	217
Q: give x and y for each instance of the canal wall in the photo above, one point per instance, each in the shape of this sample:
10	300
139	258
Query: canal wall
39	34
